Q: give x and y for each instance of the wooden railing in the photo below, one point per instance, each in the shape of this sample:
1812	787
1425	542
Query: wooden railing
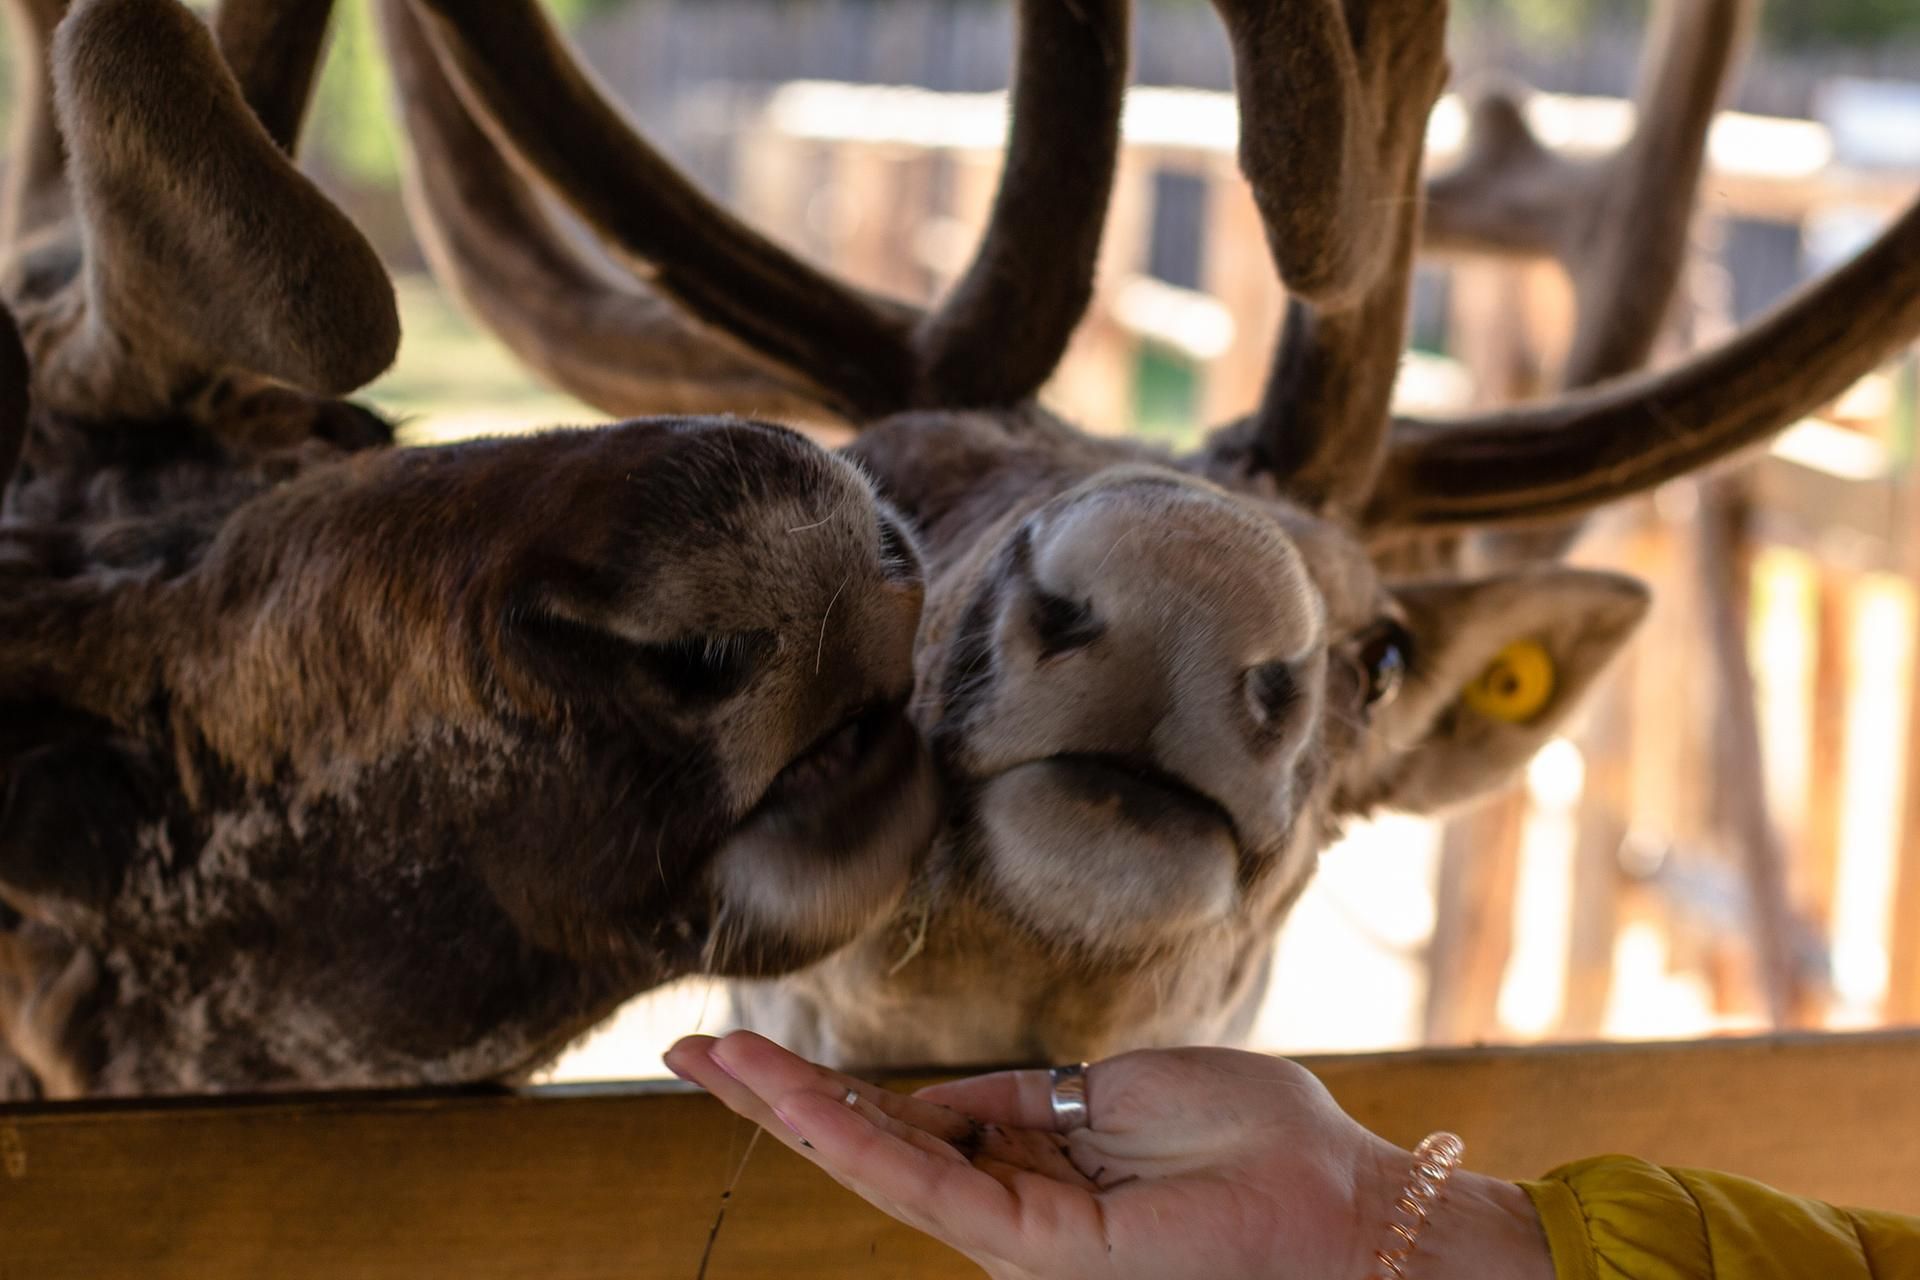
630	1182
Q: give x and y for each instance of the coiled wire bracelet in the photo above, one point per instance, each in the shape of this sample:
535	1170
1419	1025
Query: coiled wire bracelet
1434	1161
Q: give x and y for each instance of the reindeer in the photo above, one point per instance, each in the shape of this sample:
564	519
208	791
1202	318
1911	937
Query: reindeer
324	762
1156	685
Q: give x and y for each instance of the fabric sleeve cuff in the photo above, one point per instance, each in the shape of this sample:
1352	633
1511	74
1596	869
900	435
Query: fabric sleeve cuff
1566	1228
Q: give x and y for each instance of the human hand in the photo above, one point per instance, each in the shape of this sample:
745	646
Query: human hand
1196	1162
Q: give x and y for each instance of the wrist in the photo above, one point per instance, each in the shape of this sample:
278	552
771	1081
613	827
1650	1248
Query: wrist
1482	1229
1485	1229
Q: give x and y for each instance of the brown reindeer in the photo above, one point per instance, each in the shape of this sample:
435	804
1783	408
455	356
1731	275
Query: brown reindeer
324	762
1156	686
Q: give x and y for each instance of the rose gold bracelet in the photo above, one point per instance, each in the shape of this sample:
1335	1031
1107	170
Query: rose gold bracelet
1434	1161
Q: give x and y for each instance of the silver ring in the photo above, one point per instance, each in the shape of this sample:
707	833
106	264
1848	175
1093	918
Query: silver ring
1069	1097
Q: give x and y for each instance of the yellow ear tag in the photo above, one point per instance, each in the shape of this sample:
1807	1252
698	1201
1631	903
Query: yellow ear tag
1517	684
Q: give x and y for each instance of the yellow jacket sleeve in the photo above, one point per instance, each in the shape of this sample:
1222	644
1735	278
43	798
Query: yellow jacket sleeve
1616	1217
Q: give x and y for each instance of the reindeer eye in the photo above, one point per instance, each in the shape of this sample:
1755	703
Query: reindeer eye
702	667
693	667
1385	652
1062	625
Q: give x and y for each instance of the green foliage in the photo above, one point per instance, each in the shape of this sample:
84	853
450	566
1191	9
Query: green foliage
1787	23
1801	22
569	12
351	127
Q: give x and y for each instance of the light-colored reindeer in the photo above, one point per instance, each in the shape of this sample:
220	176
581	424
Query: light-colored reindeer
324	762
1156	686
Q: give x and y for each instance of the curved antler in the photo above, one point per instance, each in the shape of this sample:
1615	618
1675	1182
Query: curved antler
1618	224
273	48
202	250
1002	329
1334	105
997	335
1567	455
610	342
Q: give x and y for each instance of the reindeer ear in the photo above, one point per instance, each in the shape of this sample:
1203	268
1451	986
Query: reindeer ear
1498	666
73	796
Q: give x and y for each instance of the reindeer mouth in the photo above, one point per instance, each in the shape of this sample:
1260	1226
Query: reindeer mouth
830	844
832	791
1146	795
846	757
1110	852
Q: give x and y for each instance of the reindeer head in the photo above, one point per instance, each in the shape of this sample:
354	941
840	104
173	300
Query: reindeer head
330	764
1157	685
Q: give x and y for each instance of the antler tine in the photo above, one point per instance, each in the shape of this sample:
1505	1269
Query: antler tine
609	342
998	334
274	49
1619	224
1334	104
1004	327
35	194
205	251
1564	456
1310	139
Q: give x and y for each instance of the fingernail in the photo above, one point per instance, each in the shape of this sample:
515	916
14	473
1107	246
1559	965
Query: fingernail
678	1072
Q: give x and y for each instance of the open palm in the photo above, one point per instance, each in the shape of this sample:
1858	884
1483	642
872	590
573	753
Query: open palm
1197	1162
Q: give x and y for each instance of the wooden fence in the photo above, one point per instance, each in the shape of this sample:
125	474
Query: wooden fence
656	1183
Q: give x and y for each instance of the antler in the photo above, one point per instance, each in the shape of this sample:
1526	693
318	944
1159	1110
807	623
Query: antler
1334	104
273	48
1564	456
608	341
1618	224
202	250
993	341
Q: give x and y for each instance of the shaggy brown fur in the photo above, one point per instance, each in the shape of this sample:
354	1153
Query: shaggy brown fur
324	762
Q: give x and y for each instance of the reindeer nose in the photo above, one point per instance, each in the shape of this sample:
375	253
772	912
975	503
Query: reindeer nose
1157	621
1166	561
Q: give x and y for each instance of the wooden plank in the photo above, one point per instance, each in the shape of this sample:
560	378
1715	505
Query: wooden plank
1473	919
1238	270
1903	986
1094	385
627	1182
1826	751
1599	829
1903	976
1723	548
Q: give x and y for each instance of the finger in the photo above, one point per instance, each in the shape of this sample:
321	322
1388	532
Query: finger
748	1073
1017	1099
691	1058
765	1067
897	1166
949	1199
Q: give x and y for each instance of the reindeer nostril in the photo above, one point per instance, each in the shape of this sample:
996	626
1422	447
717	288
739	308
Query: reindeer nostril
1273	691
1062	625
